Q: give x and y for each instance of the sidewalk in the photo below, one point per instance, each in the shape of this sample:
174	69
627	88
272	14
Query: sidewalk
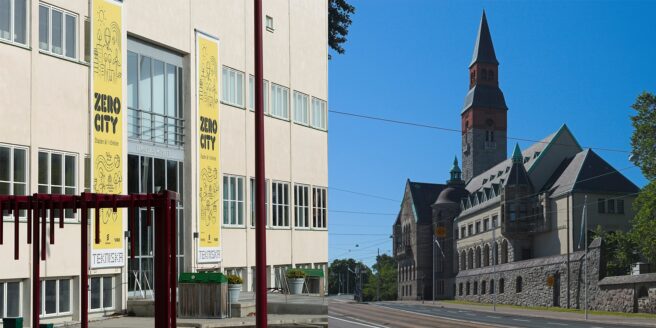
503	309
274	320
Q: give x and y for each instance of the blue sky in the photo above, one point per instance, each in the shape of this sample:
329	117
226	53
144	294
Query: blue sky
577	62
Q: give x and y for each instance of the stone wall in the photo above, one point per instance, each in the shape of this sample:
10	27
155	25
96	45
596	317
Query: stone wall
544	283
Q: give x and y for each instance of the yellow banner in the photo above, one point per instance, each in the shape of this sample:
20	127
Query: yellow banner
207	73
107	126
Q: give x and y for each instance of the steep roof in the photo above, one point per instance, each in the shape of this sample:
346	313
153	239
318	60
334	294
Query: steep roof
423	195
587	171
485	96
484	49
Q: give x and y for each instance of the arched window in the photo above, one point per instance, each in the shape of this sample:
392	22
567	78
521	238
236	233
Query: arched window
467	288
495	255
478	257
518	285
483	287
475	287
492	286
501	285
460	289
463	261
470	259
504	251
472	77
643	292
486	255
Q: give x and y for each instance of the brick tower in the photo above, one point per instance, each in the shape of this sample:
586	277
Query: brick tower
484	113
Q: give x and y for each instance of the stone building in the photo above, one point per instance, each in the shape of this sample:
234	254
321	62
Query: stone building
508	210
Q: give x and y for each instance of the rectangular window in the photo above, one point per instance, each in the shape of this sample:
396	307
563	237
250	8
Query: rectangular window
301	110
266	201
495	221
57	31
251	94
55	297
279	101
611	206
462	232
478	227
486	224
58	175
233	200
470	229
620	206
269	23
280	204
13	172
301	206
13	21
319	208
601	205
10	299
87	40
101	296
319	114
154	95
232	92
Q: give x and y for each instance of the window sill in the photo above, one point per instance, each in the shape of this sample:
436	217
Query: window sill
279	118
16	44
233	227
68	59
242	107
279	228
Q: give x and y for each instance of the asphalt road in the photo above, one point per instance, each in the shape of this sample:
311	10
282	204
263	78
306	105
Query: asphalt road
343	314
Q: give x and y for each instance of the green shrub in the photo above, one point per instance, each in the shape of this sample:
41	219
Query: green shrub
234	279
295	273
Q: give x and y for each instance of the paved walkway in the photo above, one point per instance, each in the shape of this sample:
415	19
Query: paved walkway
138	322
605	319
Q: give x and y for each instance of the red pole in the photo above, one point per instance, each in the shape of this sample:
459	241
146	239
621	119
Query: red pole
260	218
16	229
173	249
84	264
36	280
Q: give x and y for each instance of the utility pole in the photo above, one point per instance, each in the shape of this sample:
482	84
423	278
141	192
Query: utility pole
433	283
585	218
494	265
347	280
378	284
261	320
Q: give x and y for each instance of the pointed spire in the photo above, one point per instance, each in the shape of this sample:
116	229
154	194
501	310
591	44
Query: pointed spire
517	156
455	167
456	174
484	49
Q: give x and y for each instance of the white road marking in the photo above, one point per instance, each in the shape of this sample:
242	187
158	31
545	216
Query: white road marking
524	320
445	318
359	323
489	316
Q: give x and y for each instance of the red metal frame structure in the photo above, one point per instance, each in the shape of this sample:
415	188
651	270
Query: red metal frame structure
38	206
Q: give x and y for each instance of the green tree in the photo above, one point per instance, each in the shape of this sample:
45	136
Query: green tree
339	21
338	274
643	230
643	139
385	267
620	248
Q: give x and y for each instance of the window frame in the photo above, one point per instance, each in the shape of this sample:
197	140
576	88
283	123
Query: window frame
12	25
230	85
278	205
228	199
299	207
267	192
65	13
63	185
102	308
284	95
12	170
323	111
4	296
298	112
57	312
251	94
320	206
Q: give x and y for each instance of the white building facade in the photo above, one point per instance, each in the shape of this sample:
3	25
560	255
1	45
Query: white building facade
45	138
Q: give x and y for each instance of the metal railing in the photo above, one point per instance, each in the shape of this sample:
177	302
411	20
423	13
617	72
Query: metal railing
155	127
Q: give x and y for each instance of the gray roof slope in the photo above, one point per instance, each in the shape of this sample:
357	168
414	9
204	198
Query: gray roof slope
484	49
532	152
423	195
587	171
485	96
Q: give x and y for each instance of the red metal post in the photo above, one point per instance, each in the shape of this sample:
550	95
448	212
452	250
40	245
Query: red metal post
172	209
16	229
260	219
2	219
42	233
162	266
29	220
36	261
52	221
84	264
